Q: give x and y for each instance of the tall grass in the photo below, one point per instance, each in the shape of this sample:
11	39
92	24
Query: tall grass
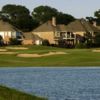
12	94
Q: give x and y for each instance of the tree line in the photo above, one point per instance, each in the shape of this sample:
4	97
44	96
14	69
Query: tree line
23	19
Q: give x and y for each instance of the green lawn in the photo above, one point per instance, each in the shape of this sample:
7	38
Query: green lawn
73	57
12	94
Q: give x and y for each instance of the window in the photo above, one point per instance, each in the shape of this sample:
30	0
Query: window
57	34
72	35
63	34
18	34
68	34
13	35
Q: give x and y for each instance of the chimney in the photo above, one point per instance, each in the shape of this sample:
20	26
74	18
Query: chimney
94	23
54	21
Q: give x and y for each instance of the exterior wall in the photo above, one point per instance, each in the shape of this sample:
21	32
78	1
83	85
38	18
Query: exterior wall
28	42
46	35
7	35
38	42
4	34
80	33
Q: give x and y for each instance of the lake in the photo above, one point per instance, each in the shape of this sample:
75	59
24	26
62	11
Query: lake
54	83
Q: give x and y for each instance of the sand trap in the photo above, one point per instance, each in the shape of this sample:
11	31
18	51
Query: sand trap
7	52
96	50
3	50
17	48
40	55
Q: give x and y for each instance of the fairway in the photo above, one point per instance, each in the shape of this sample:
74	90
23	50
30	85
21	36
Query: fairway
59	57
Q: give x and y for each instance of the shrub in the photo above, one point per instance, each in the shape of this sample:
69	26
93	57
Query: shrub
15	41
45	42
97	39
81	45
1	41
89	44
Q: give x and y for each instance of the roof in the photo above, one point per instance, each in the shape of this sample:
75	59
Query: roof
28	35
61	27
81	25
5	26
46	27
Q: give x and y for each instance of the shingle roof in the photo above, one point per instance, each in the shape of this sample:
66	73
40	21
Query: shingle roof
81	25
61	27
5	26
28	35
46	27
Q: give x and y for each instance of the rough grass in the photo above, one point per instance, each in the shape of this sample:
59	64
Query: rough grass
12	94
74	57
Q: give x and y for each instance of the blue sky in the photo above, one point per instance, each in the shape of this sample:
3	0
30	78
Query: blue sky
77	8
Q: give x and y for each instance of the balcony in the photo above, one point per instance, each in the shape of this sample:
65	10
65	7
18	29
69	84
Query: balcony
64	36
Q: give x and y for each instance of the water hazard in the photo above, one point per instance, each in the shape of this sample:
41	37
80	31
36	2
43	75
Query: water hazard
54	83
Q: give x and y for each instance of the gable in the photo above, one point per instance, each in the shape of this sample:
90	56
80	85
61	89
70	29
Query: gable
75	26
46	27
5	26
81	25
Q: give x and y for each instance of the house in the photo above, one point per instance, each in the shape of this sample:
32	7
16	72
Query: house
81	26
8	31
76	30
45	31
51	32
65	34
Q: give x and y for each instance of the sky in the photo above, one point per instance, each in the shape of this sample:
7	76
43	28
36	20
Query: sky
77	8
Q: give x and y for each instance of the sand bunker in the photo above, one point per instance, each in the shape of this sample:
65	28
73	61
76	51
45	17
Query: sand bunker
7	52
3	50
96	50
40	55
17	48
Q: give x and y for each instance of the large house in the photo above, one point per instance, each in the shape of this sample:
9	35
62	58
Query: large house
45	31
8	31
65	34
76	30
52	32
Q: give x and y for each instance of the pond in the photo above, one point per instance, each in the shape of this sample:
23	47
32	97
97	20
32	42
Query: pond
54	83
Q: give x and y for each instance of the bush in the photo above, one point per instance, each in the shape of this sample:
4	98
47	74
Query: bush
45	43
97	39
81	45
15	41
89	44
1	41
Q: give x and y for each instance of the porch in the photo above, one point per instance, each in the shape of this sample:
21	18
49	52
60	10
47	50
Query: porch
66	39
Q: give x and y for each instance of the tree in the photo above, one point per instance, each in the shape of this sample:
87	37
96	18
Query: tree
97	13
19	16
97	39
88	39
64	18
90	19
45	13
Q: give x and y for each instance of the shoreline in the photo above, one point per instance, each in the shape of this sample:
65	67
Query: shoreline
50	67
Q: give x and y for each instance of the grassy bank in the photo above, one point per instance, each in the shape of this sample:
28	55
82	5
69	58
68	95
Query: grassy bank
11	94
73	57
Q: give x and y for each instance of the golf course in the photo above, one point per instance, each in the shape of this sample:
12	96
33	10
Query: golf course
41	56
